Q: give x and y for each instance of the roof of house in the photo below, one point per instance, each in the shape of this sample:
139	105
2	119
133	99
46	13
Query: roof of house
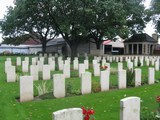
116	44
32	42
140	38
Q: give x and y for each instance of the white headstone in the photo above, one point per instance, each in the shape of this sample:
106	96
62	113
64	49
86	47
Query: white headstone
81	69
25	66
46	72
120	66
26	88
7	65
58	85
75	64
122	79
18	61
8	59
104	80
52	65
86	83
151	76
137	77
26	59
11	74
60	64
96	69
68	114
34	72
157	65
130	108
34	61
147	62
86	63
66	71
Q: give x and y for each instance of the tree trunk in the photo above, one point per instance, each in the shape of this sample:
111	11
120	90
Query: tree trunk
44	46
98	45
73	47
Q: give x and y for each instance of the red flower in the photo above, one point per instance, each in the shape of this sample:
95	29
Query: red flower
158	98
105	67
87	117
87	113
84	111
90	112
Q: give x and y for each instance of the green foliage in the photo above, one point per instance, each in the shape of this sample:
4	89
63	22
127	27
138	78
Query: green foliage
130	77
42	88
95	87
147	115
70	91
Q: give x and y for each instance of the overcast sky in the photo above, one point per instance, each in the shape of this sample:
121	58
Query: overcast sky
4	3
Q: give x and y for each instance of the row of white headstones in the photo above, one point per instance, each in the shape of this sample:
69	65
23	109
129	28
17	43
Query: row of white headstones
129	110
26	82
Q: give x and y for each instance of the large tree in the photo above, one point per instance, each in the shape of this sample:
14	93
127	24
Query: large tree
74	20
154	14
116	18
27	20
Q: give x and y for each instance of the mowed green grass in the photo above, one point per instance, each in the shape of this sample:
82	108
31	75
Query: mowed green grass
105	104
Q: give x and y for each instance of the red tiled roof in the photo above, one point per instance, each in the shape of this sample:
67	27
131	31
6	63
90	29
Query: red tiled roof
31	42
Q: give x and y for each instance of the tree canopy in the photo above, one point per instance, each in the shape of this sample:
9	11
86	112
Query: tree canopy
74	20
154	14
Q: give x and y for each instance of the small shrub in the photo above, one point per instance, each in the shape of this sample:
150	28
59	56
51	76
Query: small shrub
130	77
95	87
70	91
147	115
42	88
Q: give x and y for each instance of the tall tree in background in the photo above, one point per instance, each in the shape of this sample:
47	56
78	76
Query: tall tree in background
74	20
154	14
116	17
27	20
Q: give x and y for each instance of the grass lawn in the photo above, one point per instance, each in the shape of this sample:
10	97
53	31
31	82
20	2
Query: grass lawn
105	104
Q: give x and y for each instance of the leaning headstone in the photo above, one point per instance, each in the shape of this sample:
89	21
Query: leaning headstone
151	76
104	80
86	83
18	61
68	114
130	108
122	79
25	66
26	88
137	77
58	85
34	72
66	71
46	72
11	74
96	69
81	69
